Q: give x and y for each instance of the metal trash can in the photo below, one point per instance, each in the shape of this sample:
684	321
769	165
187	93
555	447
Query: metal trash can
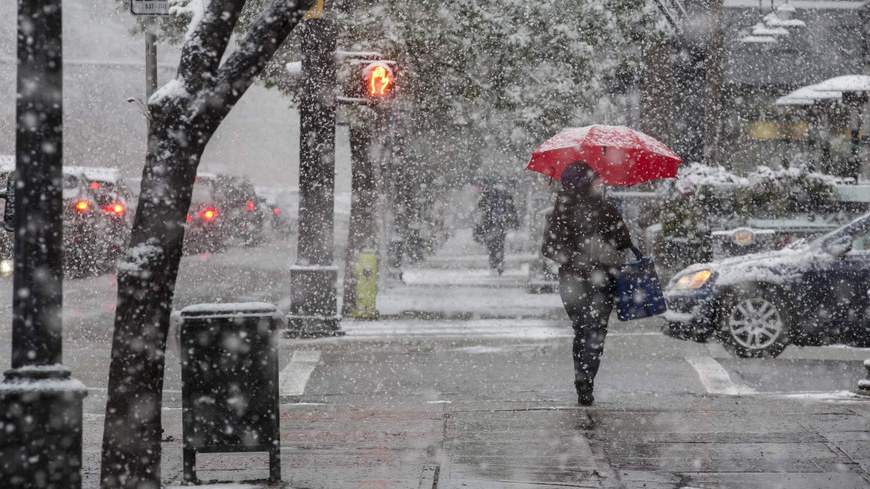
229	382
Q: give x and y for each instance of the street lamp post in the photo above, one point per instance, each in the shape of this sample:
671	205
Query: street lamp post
313	295
40	404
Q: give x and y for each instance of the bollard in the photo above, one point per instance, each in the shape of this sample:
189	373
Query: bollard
366	272
229	382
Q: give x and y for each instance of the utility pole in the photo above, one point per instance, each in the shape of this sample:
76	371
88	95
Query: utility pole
313	307
40	403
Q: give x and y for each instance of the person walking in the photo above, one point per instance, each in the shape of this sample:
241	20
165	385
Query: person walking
587	237
498	213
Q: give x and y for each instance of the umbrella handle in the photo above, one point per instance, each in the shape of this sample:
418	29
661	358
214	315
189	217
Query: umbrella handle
552	176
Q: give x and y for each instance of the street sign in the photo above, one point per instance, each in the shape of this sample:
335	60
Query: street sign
149	7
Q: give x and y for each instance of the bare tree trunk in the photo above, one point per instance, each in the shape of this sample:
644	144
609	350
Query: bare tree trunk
184	115
146	284
658	89
713	94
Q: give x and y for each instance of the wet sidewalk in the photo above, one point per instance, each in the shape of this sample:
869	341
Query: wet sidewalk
451	390
665	443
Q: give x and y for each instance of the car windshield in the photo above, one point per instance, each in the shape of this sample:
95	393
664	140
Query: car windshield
202	193
855	227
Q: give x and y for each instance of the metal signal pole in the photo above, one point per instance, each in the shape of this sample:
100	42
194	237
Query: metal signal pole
40	404
313	307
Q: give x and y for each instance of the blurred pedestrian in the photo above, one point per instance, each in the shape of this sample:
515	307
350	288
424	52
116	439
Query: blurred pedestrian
498	214
587	237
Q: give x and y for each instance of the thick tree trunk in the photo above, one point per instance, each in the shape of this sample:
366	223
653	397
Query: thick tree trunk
146	283
184	117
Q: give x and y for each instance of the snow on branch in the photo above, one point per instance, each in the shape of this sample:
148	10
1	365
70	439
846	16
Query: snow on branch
207	42
195	9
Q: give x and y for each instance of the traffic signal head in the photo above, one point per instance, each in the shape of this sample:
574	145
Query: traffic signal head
379	80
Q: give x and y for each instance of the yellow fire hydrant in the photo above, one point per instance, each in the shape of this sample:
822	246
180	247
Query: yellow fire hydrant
366	271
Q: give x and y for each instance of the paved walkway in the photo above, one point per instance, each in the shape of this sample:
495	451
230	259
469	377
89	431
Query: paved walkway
449	393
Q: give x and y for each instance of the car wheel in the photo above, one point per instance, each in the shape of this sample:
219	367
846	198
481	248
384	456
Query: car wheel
754	325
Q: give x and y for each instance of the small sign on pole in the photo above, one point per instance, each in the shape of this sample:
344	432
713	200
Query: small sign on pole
149	7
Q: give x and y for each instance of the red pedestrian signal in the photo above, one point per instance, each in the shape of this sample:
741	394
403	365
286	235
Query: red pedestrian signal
379	80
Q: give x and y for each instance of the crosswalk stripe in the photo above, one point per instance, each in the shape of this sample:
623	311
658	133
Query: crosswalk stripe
715	378
294	377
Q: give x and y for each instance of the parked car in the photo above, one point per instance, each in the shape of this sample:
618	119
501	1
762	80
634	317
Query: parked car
809	293
111	205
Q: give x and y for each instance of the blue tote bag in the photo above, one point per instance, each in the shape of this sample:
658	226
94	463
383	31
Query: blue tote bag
639	291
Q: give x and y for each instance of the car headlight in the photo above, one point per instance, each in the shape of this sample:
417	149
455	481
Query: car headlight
694	280
5	268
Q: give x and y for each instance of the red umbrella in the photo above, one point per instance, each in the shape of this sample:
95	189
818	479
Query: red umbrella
621	156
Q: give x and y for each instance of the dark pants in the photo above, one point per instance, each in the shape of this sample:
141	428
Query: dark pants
495	245
588	297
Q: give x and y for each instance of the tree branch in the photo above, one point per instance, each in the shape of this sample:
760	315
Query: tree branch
203	50
262	39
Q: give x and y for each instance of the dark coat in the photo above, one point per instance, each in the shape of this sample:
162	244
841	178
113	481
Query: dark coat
497	214
585	232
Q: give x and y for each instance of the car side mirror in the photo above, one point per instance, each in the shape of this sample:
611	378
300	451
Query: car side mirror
839	246
9	196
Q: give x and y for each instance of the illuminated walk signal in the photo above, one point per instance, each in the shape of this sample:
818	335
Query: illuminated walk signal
379	80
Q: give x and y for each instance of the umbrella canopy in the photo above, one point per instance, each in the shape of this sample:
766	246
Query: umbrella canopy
847	83
620	155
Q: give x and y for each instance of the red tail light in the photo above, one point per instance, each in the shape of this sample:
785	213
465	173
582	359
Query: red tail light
276	211
188	218
83	206
250	206
95	185
208	215
114	208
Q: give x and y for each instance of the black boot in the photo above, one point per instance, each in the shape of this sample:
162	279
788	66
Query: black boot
584	392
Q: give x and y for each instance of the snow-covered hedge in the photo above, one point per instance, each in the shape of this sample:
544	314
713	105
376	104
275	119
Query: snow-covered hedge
702	195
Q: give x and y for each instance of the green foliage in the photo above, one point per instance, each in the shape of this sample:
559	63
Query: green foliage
776	194
502	73
684	215
482	83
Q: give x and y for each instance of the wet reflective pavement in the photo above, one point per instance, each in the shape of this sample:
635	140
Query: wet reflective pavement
464	397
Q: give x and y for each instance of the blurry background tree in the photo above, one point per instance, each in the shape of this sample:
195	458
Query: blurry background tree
481	83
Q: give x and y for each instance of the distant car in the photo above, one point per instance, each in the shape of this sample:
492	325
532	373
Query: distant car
87	246
85	250
244	216
111	202
205	219
279	222
809	293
